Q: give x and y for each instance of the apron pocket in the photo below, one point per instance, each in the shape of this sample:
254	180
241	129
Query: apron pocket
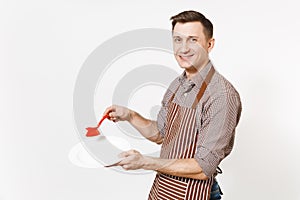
171	188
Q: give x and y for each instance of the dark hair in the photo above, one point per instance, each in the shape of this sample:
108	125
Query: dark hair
194	16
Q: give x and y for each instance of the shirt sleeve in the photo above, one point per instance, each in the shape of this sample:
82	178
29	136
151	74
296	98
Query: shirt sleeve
219	119
161	122
162	115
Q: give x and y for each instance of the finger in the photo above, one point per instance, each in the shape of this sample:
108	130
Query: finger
126	167
113	118
127	153
133	151
109	109
124	154
123	162
112	115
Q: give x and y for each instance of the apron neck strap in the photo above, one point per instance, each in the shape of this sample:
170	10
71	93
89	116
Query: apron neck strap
204	86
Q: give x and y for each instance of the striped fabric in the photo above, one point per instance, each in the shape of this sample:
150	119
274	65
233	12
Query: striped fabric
216	117
167	187
180	142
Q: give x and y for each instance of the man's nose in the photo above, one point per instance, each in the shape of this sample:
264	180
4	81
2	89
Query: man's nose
184	47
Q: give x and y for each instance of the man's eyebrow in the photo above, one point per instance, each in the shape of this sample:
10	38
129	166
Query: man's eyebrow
193	36
190	36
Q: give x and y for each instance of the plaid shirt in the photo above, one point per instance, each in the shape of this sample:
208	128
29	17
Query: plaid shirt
218	114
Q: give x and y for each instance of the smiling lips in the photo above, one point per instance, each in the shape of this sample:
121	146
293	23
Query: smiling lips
186	57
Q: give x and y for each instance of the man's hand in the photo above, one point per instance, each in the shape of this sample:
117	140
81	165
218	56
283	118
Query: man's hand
146	127
133	160
118	113
188	168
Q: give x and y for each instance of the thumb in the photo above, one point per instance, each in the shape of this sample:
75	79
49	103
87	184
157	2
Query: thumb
127	153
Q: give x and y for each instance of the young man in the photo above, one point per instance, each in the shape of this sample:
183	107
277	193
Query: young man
197	121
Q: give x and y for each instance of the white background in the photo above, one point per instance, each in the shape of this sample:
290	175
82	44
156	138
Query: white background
44	43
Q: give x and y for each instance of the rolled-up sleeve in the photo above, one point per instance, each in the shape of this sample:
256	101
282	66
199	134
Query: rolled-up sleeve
162	115
219	118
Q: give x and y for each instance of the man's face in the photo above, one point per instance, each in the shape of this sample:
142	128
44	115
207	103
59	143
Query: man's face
190	45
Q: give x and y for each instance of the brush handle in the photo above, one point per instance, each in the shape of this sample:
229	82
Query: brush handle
103	118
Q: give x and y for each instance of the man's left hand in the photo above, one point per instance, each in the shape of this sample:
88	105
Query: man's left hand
132	160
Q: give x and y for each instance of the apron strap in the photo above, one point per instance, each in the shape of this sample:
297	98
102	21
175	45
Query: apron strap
204	86
173	95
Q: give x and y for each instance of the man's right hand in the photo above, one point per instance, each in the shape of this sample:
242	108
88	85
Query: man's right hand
118	113
146	127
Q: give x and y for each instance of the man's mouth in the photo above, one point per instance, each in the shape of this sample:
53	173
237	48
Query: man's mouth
186	57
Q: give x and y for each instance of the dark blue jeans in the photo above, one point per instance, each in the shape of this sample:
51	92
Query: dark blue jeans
215	192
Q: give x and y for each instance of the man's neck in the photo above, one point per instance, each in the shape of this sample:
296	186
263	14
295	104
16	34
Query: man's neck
192	71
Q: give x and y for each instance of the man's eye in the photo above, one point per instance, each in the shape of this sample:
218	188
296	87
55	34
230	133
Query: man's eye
193	40
177	39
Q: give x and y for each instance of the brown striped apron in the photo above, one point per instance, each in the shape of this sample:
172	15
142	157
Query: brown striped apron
180	143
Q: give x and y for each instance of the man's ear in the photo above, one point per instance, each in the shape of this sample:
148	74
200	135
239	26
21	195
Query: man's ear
211	44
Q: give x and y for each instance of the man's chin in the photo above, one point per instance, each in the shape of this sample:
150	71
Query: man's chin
186	65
